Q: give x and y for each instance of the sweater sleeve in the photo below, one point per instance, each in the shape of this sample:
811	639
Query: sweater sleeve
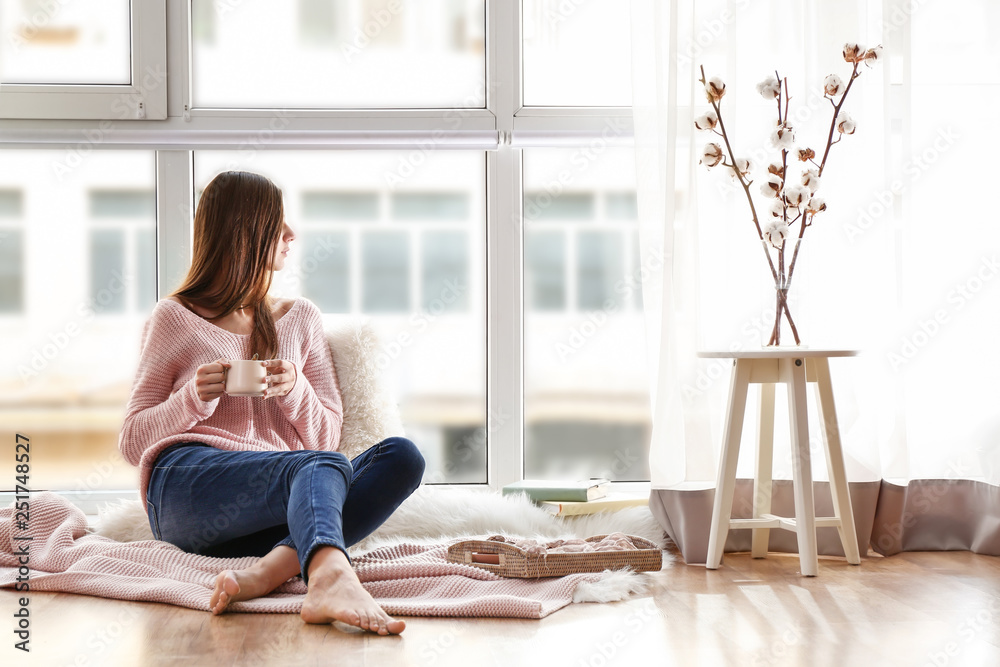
314	406
153	412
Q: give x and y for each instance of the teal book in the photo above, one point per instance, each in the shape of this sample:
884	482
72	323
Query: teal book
560	490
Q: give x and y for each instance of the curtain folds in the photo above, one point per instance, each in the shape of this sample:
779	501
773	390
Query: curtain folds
917	408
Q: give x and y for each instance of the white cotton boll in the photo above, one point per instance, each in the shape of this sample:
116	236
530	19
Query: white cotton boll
772	186
815	205
873	55
783	137
776	232
796	195
853	52
743	166
715	89
833	85
707	121
711	155
777	209
769	88
810	179
846	124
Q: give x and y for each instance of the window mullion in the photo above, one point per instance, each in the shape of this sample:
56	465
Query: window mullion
174	215
505	422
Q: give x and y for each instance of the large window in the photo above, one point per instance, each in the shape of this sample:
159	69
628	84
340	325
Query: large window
420	147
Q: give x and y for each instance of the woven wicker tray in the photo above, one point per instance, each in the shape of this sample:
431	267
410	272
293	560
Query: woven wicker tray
508	560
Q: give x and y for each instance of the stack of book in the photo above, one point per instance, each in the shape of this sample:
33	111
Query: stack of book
565	498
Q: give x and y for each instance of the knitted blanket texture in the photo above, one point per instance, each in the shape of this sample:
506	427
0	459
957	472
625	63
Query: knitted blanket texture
405	579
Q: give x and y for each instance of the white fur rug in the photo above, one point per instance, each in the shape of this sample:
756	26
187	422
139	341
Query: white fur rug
436	515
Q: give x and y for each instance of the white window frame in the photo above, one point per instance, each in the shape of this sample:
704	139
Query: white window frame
144	98
503	128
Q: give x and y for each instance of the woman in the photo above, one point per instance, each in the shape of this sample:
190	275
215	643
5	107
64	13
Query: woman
231	476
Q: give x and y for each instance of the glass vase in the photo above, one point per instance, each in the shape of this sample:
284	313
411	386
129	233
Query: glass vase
783	294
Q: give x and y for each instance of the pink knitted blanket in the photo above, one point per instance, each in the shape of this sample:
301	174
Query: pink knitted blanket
406	580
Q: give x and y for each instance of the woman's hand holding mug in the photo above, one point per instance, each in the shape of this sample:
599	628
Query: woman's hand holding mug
281	376
210	379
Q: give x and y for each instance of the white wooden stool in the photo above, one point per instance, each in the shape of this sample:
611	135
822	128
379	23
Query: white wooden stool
793	367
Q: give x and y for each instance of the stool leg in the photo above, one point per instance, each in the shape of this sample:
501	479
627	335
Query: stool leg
805	509
764	468
835	462
725	483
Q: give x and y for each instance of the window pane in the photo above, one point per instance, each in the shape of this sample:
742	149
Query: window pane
544	270
436	206
74	346
561	206
622	206
107	266
586	394
139	204
577	53
599	264
445	264
10	203
340	205
53	41
145	254
11	271
386	267
327	270
340	54
408	258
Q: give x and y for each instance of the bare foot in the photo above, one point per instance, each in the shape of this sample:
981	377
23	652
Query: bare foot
336	594
261	578
235	585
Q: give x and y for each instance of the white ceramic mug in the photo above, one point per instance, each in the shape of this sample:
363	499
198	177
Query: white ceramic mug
243	378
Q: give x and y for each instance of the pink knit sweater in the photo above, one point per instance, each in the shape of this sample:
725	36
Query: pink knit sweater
164	407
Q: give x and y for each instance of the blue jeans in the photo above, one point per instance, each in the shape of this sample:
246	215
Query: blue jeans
230	504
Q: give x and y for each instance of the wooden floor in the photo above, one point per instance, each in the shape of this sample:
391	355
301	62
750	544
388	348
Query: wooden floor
932	608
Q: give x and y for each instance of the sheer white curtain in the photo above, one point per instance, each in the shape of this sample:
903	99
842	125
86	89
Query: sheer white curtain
889	269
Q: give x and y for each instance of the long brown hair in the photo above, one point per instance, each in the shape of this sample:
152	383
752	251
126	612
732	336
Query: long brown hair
237	228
